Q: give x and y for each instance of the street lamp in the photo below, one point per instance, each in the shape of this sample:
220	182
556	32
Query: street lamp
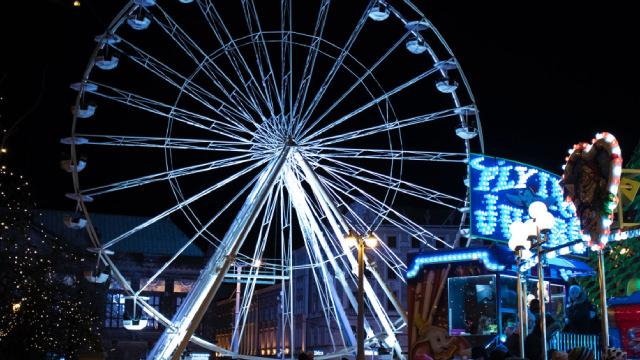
537	228
520	244
355	240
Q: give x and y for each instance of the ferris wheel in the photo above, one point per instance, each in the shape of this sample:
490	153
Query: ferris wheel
268	125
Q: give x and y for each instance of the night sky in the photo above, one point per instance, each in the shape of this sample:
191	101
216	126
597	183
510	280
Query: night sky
544	76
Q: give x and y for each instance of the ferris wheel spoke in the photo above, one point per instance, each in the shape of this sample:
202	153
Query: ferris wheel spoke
171	260
180	82
385	154
384	252
286	58
311	59
371	103
167	143
209	68
262	55
184	203
169	111
168	175
390	126
338	63
392	183
254	269
237	95
358	81
217	25
346	188
203	229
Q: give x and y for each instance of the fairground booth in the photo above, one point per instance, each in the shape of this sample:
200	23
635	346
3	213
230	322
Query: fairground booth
465	297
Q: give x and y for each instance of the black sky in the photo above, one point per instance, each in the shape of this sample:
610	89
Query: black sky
544	76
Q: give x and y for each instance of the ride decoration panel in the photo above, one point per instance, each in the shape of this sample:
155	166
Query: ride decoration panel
501	191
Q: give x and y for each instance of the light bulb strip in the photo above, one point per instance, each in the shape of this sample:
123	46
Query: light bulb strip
624	235
600	235
485	256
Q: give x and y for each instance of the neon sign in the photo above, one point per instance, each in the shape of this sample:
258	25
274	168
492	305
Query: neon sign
501	191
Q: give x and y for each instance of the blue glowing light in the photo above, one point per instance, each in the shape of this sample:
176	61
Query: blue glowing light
501	191
486	256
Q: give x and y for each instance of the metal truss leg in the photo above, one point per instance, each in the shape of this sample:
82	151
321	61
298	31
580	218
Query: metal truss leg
174	340
332	211
313	235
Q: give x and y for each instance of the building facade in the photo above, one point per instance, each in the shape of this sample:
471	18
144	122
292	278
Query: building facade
137	258
264	332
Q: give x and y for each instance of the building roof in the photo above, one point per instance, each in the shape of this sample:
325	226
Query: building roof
161	238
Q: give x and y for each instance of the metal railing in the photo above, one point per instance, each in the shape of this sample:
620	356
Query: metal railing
567	341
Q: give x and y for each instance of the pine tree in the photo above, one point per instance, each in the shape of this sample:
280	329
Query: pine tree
46	310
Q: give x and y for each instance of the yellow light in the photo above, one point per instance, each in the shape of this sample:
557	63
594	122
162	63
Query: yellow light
16	307
76	3
3	150
371	240
351	240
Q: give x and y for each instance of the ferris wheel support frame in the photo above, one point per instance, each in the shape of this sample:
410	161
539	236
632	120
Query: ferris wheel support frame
333	213
312	233
313	179
173	341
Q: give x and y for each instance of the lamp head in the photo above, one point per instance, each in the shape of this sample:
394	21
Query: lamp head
519	236
350	239
371	240
545	222
537	209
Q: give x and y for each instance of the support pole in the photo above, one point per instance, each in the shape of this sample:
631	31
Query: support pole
524	304
543	320
235	346
360	326
521	304
604	315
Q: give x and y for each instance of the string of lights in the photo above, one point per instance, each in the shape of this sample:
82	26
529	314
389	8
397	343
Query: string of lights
45	308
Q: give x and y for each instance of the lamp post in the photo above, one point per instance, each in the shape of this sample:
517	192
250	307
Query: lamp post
543	221
355	240
520	245
543	318
536	228
604	316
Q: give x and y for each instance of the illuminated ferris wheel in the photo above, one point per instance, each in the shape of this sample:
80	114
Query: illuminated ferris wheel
267	125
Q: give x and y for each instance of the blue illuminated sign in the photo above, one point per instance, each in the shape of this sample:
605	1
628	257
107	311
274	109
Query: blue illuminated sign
501	191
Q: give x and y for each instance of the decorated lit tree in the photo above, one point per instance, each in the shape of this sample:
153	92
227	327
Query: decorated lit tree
621	258
46	310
